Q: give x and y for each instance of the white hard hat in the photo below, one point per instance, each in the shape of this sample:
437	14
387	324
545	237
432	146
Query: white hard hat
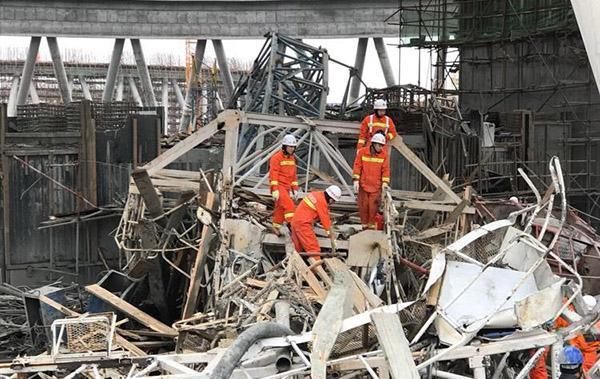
378	138
514	200
380	104
590	302
289	140
334	192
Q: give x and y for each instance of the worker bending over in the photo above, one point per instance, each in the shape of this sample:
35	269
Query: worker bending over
284	182
371	174
376	122
314	206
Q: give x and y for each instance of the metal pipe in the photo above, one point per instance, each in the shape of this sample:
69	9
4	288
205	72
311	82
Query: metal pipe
11	110
59	70
359	64
142	67
189	97
34	46
447	375
113	69
386	66
223	66
134	92
240	346
165	105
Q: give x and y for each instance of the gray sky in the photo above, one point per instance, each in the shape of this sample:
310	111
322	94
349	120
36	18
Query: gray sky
344	50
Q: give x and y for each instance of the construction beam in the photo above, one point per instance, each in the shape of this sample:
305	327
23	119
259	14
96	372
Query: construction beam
85	88
59	70
395	346
120	87
359	65
34	47
191	82
113	69
131	311
178	93
223	66
165	105
134	92
35	99
384	60
143	72
148	192
12	97
413	159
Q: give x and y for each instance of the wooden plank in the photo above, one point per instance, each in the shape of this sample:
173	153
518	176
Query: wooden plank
191	301
329	324
302	269
373	300
395	346
428	205
190	142
407	153
148	192
337	267
133	312
427	217
266	308
321	272
68	312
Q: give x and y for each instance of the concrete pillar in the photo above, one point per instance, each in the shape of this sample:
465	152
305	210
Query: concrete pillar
134	92
59	70
35	99
34	46
85	88
223	66
12	97
140	62
189	96
113	69
165	104
178	93
359	64
120	85
386	66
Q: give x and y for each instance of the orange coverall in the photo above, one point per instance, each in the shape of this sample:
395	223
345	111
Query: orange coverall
283	178
371	171
314	206
371	125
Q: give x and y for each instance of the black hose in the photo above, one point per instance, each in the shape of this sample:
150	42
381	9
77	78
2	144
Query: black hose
232	356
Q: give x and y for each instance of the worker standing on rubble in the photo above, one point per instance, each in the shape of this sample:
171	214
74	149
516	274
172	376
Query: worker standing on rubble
371	174
314	206
284	182
376	122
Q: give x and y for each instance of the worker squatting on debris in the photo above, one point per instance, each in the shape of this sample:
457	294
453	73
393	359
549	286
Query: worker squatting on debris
284	182
371	174
314	206
376	122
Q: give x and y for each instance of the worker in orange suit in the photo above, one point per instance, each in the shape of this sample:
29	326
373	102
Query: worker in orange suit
376	122
314	206
371	174
284	182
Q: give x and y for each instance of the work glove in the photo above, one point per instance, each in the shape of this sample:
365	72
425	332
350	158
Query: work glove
356	186
385	186
294	195
275	195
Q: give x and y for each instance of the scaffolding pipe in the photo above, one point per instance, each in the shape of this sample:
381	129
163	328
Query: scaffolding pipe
223	66
384	59
113	68
59	70
142	67
189	98
34	46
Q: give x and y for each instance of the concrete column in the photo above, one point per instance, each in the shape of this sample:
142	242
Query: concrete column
386	66
223	66
85	88
140	62
120	85
12	97
189	96
59	70
35	99
359	64
134	92
34	46
165	104
113	69
178	93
